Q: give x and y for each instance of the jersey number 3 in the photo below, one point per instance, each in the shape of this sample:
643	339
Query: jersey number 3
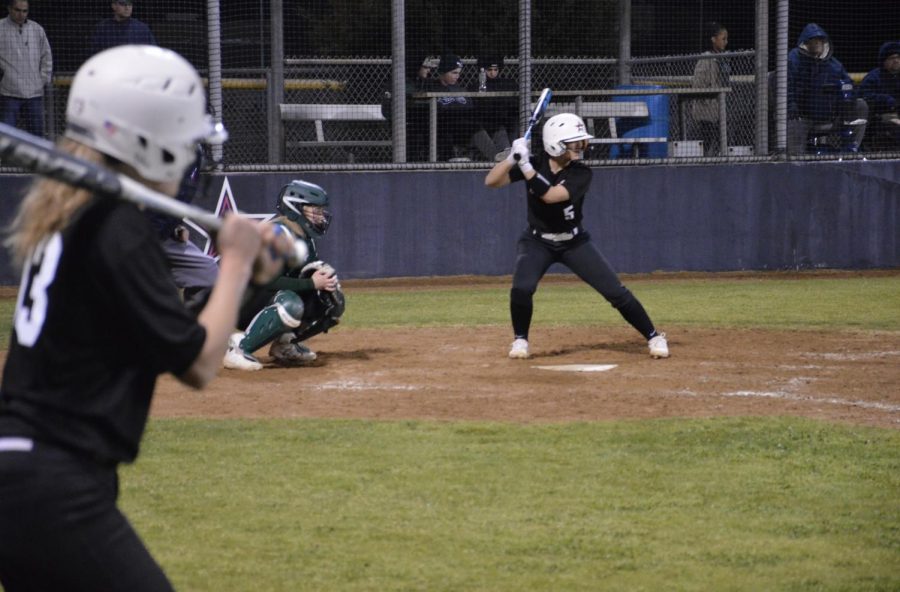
31	308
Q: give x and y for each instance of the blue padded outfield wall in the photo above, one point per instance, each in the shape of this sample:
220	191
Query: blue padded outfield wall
686	218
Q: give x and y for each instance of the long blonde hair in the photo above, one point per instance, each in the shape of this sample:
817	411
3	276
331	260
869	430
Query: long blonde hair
48	206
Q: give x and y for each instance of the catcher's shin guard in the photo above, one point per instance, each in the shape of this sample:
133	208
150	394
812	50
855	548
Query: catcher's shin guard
284	314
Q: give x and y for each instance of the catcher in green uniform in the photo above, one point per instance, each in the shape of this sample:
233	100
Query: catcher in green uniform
302	303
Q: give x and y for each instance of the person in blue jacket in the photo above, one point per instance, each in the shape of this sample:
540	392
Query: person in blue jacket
819	91
881	90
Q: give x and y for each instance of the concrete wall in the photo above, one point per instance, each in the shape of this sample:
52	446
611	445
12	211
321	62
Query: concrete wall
687	218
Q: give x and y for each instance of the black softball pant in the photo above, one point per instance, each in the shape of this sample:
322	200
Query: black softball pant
60	528
534	257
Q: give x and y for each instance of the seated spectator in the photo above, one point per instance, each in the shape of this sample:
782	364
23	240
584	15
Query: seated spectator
710	73
418	73
820	95
497	116
121	29
881	90
456	115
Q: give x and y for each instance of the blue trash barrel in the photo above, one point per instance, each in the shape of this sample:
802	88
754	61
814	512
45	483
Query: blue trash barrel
655	126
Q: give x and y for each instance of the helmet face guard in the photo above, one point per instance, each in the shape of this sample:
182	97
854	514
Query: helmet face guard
144	106
307	205
563	128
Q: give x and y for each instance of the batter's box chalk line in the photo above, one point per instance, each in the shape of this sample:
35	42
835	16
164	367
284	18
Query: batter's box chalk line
810	399
355	385
578	367
851	357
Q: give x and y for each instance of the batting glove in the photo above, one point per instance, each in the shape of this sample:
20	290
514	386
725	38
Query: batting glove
511	157
520	150
522	155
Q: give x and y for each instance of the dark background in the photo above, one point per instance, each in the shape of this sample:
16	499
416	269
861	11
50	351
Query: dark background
362	28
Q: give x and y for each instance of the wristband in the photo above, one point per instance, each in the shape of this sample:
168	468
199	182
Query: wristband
537	185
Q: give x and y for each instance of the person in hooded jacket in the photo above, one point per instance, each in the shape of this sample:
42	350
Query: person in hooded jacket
881	91
819	91
497	116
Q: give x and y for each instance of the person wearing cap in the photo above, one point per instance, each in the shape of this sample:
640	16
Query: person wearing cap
121	29
497	116
27	65
456	114
881	90
815	90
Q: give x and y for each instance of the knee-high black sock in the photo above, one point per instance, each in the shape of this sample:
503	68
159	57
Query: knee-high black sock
521	317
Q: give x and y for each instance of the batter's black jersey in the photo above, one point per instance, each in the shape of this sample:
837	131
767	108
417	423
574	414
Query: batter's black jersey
563	216
98	317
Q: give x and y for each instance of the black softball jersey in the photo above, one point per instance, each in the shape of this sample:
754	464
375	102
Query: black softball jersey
98	318
562	216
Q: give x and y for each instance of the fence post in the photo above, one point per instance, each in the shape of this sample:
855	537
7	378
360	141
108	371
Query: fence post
50	111
275	83
624	41
524	62
781	39
214	32
762	77
398	79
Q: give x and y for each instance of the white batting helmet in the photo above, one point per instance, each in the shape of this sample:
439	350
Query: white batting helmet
562	128
142	105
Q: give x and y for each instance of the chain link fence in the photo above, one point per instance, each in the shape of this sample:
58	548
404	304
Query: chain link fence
336	83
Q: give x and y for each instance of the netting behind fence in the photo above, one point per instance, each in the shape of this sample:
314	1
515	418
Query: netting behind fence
355	82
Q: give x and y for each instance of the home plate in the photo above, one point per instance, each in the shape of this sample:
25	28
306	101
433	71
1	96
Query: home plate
578	367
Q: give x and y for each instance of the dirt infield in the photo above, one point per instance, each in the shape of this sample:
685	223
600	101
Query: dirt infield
463	373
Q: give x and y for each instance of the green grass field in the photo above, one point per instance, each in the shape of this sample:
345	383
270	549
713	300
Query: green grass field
717	504
658	505
819	302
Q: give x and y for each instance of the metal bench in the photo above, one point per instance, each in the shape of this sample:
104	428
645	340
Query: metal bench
320	113
609	110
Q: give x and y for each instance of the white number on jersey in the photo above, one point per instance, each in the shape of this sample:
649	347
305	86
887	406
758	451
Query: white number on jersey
569	212
39	272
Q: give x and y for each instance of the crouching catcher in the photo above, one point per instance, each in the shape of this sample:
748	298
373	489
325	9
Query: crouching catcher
303	302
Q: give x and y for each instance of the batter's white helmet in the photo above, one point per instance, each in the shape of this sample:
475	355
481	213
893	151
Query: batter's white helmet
562	128
142	105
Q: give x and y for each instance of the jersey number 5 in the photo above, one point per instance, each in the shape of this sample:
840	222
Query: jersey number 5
31	308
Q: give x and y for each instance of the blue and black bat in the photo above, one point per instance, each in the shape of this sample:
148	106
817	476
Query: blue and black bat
542	103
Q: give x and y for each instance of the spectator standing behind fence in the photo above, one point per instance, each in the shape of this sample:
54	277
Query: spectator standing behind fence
27	65
881	91
456	114
121	29
708	73
497	116
816	95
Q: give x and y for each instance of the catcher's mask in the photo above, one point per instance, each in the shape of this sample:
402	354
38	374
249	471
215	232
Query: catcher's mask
306	204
